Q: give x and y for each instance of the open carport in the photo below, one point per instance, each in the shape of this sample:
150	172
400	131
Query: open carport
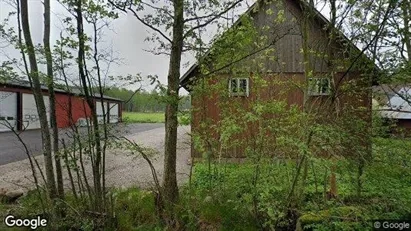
18	107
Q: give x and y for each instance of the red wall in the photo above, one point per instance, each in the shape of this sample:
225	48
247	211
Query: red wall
79	109
207	106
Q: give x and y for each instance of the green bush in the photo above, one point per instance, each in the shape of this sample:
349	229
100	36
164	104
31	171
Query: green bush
386	192
381	127
227	196
184	118
135	209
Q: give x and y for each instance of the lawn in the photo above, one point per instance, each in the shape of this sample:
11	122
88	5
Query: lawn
153	117
142	117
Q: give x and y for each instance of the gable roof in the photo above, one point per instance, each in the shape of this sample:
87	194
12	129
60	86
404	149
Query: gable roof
393	101
185	78
384	92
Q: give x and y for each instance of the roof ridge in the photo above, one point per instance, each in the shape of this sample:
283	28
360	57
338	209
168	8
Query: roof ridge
317	14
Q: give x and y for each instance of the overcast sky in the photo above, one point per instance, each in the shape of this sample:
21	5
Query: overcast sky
126	37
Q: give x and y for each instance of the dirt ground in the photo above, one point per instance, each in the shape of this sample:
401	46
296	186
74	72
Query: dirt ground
122	168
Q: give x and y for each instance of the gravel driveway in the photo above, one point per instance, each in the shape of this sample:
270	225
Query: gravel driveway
122	168
11	149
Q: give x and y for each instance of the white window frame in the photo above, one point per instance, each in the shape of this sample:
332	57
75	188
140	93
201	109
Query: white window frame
315	89
238	92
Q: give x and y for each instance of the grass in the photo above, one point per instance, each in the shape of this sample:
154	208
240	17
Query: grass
3	213
386	190
142	117
225	196
153	117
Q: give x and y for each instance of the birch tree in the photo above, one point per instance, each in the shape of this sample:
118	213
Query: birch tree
175	25
52	98
34	77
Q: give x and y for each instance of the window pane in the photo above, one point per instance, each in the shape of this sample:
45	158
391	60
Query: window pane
324	85
234	87
243	85
318	86
312	85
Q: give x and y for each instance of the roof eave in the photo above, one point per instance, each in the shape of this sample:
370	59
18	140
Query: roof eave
184	80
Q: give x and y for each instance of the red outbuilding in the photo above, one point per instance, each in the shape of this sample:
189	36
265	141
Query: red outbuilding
18	108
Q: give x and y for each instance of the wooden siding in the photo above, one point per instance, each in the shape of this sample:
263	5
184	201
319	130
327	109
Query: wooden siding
288	40
284	73
67	116
402	128
284	86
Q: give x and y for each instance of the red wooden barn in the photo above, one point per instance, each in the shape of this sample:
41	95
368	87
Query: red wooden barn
286	28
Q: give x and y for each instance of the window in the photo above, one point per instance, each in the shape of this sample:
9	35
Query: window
319	86
238	87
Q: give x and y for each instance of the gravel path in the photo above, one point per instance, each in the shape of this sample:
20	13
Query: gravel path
11	149
122	168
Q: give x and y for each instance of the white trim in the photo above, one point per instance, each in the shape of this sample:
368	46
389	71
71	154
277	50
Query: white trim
317	91
8	110
238	93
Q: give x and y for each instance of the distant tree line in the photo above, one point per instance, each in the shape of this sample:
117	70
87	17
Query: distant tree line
143	100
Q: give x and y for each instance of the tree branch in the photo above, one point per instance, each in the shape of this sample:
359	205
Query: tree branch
211	19
129	8
376	36
247	55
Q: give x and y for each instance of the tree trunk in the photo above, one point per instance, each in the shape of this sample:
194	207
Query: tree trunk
405	5
90	102
170	178
38	96
52	98
106	113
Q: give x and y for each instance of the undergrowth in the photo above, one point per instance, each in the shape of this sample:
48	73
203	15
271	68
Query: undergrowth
227	196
